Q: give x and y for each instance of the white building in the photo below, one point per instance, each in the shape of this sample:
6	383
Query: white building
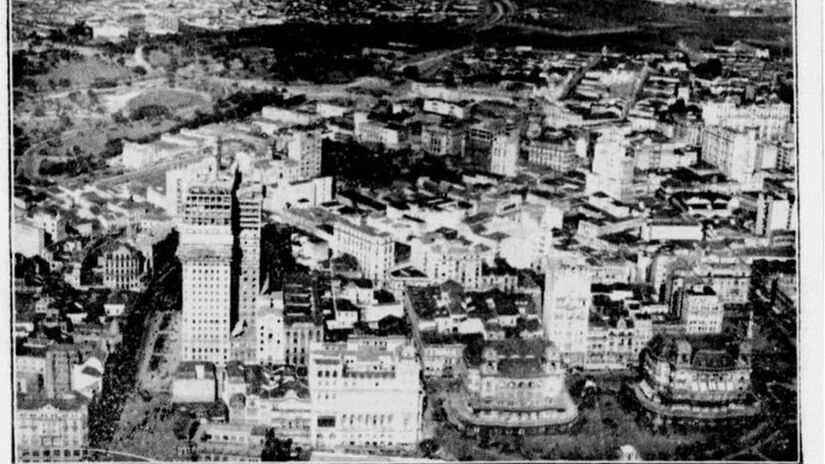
445	108
612	170
374	251
776	211
389	135
269	325
205	252
161	22
768	119
141	155
699	309
113	32
51	430
87	378
442	257
567	302
29	240
504	154
732	151
249	202
195	382
365	392
664	229
288	116
51	221
304	194
304	146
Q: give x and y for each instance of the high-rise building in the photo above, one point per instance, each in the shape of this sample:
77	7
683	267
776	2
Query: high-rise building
504	154
567	301
206	254
304	146
249	201
732	151
612	169
768	119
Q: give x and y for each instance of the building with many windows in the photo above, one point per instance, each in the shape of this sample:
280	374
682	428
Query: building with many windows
699	309
504	154
442	139
442	255
514	386
558	151
303	144
269	396
770	119
249	202
366	393
374	250
698	380
122	266
567	302
732	151
206	255
51	430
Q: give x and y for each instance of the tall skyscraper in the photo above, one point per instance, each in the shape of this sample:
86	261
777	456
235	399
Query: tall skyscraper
249	202
567	302
206	255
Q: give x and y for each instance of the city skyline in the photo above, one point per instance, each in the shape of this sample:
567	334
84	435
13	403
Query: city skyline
428	231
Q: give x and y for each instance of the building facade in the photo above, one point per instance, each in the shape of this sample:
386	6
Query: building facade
52	430
699	379
206	255
567	302
515	386
374	250
386	373
699	309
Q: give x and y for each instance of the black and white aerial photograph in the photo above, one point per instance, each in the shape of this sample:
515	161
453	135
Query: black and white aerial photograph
411	231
